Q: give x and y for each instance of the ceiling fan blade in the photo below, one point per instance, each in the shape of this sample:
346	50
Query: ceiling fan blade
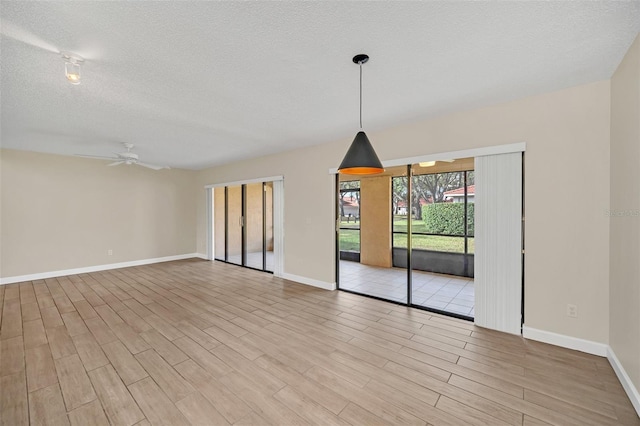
17	33
151	166
117	163
99	157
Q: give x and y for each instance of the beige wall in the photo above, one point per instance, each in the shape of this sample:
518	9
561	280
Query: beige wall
567	190
624	277
375	221
62	212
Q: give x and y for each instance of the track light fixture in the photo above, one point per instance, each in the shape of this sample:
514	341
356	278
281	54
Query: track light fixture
72	67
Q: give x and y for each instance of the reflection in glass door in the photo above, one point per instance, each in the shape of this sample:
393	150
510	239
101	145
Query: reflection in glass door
234	224
219	222
254	226
268	227
243	225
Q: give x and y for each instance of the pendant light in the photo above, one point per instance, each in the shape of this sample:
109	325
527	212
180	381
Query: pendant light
361	159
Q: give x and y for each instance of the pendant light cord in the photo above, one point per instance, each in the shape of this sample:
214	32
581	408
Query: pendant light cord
360	63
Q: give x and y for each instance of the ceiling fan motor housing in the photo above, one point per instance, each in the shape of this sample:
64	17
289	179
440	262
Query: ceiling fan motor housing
128	156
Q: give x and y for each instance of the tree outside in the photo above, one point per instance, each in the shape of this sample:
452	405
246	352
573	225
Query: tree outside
429	189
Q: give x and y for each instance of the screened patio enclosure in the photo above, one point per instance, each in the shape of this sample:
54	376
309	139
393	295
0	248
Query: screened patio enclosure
408	235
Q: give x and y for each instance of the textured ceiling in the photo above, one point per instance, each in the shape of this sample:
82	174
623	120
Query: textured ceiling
195	84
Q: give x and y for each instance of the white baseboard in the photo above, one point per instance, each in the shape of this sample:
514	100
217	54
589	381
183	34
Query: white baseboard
309	281
201	256
96	268
625	380
568	342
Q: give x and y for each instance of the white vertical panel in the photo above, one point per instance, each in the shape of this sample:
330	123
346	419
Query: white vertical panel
498	242
278	227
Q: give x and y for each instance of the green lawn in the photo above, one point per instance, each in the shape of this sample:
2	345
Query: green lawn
350	239
400	224
433	242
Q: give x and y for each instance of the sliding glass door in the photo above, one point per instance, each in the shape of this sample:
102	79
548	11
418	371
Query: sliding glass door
269	260
243	225
442	241
219	222
254	232
234	225
414	236
348	230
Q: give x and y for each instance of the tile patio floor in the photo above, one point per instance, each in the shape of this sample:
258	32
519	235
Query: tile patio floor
444	292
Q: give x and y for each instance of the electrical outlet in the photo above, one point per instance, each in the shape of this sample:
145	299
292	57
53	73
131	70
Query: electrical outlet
572	310
109	252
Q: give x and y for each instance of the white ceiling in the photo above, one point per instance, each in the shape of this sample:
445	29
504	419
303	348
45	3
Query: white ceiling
196	84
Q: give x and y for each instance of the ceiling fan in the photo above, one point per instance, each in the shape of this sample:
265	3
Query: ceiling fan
127	158
433	163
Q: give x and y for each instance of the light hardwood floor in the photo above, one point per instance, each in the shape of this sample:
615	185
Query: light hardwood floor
205	343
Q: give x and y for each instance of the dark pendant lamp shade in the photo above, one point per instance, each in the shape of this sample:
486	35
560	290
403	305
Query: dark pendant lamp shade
361	159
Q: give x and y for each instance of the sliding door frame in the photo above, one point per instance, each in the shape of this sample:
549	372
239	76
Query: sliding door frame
408	162
243	222
409	235
264	224
277	217
226	224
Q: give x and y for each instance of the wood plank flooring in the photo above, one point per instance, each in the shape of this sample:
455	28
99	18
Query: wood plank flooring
205	343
